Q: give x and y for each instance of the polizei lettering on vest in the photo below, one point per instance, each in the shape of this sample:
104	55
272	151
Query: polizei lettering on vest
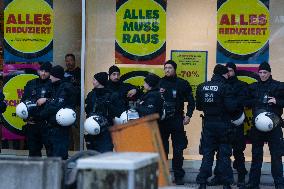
210	88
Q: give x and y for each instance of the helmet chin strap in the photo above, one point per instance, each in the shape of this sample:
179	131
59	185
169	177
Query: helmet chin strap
96	124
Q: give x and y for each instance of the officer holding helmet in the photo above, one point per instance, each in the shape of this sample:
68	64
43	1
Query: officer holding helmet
216	99
175	92
35	129
238	142
100	108
62	97
266	95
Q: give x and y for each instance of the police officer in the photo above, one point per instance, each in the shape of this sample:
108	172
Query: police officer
72	73
216	100
175	91
62	96
35	129
3	105
125	92
238	143
99	102
266	94
151	102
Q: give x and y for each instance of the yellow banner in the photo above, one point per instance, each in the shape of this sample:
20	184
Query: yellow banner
13	91
28	29
243	26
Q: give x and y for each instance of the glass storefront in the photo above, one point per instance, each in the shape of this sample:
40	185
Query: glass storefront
188	27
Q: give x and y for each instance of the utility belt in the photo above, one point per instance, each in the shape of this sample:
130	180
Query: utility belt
53	124
33	125
169	110
32	121
216	118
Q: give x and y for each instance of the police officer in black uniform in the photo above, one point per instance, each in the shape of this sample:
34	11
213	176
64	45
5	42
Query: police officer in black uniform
175	92
99	102
125	92
151	102
238	143
215	98
62	96
72	73
266	94
3	105
35	129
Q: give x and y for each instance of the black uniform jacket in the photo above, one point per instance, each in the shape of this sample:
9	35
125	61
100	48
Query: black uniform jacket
150	103
216	98
62	96
178	90
259	92
101	101
119	91
34	90
240	90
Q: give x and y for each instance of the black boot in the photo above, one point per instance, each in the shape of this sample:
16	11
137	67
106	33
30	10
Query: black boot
179	181
215	181
280	186
241	180
202	186
227	186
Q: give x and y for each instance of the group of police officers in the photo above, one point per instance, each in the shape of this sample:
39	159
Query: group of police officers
222	100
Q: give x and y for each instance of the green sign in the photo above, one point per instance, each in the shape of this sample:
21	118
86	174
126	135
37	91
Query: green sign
140	30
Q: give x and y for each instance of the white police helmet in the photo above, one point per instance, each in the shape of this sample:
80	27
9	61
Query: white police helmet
65	117
128	115
239	120
266	121
117	121
92	126
22	110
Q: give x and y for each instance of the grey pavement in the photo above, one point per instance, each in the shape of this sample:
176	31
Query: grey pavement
192	168
195	186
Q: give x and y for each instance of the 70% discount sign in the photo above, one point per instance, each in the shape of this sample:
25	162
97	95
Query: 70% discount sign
187	74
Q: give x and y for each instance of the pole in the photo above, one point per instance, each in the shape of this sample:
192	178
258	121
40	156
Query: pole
83	50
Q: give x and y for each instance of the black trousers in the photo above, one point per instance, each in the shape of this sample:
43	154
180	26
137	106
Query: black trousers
274	140
173	127
58	141
215	138
101	142
238	146
37	137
